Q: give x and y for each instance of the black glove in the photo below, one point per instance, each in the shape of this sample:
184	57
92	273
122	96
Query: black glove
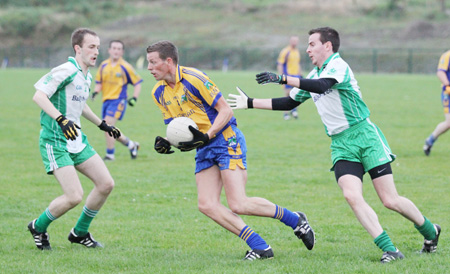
132	101
162	145
269	77
112	130
95	93
68	127
200	139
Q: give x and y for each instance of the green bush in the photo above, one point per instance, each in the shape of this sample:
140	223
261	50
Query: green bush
20	22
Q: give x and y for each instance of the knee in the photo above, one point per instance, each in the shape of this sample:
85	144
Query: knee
74	199
207	208
390	203
353	199
238	208
106	187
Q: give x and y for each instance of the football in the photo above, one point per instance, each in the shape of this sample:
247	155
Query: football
178	130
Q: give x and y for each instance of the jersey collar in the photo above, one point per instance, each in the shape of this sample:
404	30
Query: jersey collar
333	56
74	62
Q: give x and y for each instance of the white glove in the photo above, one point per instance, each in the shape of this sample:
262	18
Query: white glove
238	101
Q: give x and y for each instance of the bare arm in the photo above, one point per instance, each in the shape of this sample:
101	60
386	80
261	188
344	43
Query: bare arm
224	116
91	116
443	77
137	90
41	99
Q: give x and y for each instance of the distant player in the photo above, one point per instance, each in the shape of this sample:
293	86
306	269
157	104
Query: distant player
112	79
221	160
288	63
62	95
443	73
357	145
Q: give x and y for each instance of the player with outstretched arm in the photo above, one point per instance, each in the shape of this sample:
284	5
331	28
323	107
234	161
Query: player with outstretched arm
357	145
221	150
62	95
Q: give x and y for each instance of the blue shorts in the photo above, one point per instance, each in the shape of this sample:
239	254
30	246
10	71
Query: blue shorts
445	98
114	108
227	151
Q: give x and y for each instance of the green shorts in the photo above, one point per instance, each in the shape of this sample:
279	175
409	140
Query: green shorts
55	157
362	143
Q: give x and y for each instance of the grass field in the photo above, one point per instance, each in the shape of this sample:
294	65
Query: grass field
150	223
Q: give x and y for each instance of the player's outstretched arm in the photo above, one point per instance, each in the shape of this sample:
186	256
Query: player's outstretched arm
266	77
242	101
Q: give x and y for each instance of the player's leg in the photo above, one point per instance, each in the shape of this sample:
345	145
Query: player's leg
349	177
440	129
234	182
71	197
386	190
209	187
286	114
113	112
95	169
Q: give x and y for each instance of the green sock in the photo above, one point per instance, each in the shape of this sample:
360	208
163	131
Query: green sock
427	229
82	226
44	221
384	242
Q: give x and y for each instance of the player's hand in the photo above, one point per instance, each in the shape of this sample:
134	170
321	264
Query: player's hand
95	93
68	127
112	130
269	77
132	101
241	101
200	139
162	145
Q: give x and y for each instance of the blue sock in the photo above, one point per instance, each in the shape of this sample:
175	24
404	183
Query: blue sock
252	238
286	216
430	140
110	151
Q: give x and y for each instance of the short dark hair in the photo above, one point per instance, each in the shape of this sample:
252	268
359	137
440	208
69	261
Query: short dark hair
116	41
165	49
78	36
328	34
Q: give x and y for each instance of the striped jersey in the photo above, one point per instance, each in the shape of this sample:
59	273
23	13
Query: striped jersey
68	89
194	95
444	64
289	58
115	79
341	106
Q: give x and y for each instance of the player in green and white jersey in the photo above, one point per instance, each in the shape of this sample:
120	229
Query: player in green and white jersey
62	95
357	145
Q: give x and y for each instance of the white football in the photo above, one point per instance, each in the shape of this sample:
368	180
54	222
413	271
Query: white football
178	130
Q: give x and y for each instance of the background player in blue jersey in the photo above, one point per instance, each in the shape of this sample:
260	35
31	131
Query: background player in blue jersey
357	145
62	95
221	150
112	79
443	73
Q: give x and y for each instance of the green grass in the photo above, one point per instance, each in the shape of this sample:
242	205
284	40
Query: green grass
150	223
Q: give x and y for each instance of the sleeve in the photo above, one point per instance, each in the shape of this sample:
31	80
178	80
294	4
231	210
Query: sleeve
158	98
98	76
444	61
202	87
282	57
299	95
50	82
132	77
337	70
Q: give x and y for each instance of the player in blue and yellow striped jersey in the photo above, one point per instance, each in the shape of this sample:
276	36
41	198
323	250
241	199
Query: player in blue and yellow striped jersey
112	79
443	73
221	150
288	63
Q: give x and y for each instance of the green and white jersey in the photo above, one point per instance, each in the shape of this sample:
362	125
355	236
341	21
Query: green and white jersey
341	106
68	89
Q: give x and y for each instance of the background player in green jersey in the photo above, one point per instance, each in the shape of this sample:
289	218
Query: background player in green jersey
62	95
443	73
358	146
